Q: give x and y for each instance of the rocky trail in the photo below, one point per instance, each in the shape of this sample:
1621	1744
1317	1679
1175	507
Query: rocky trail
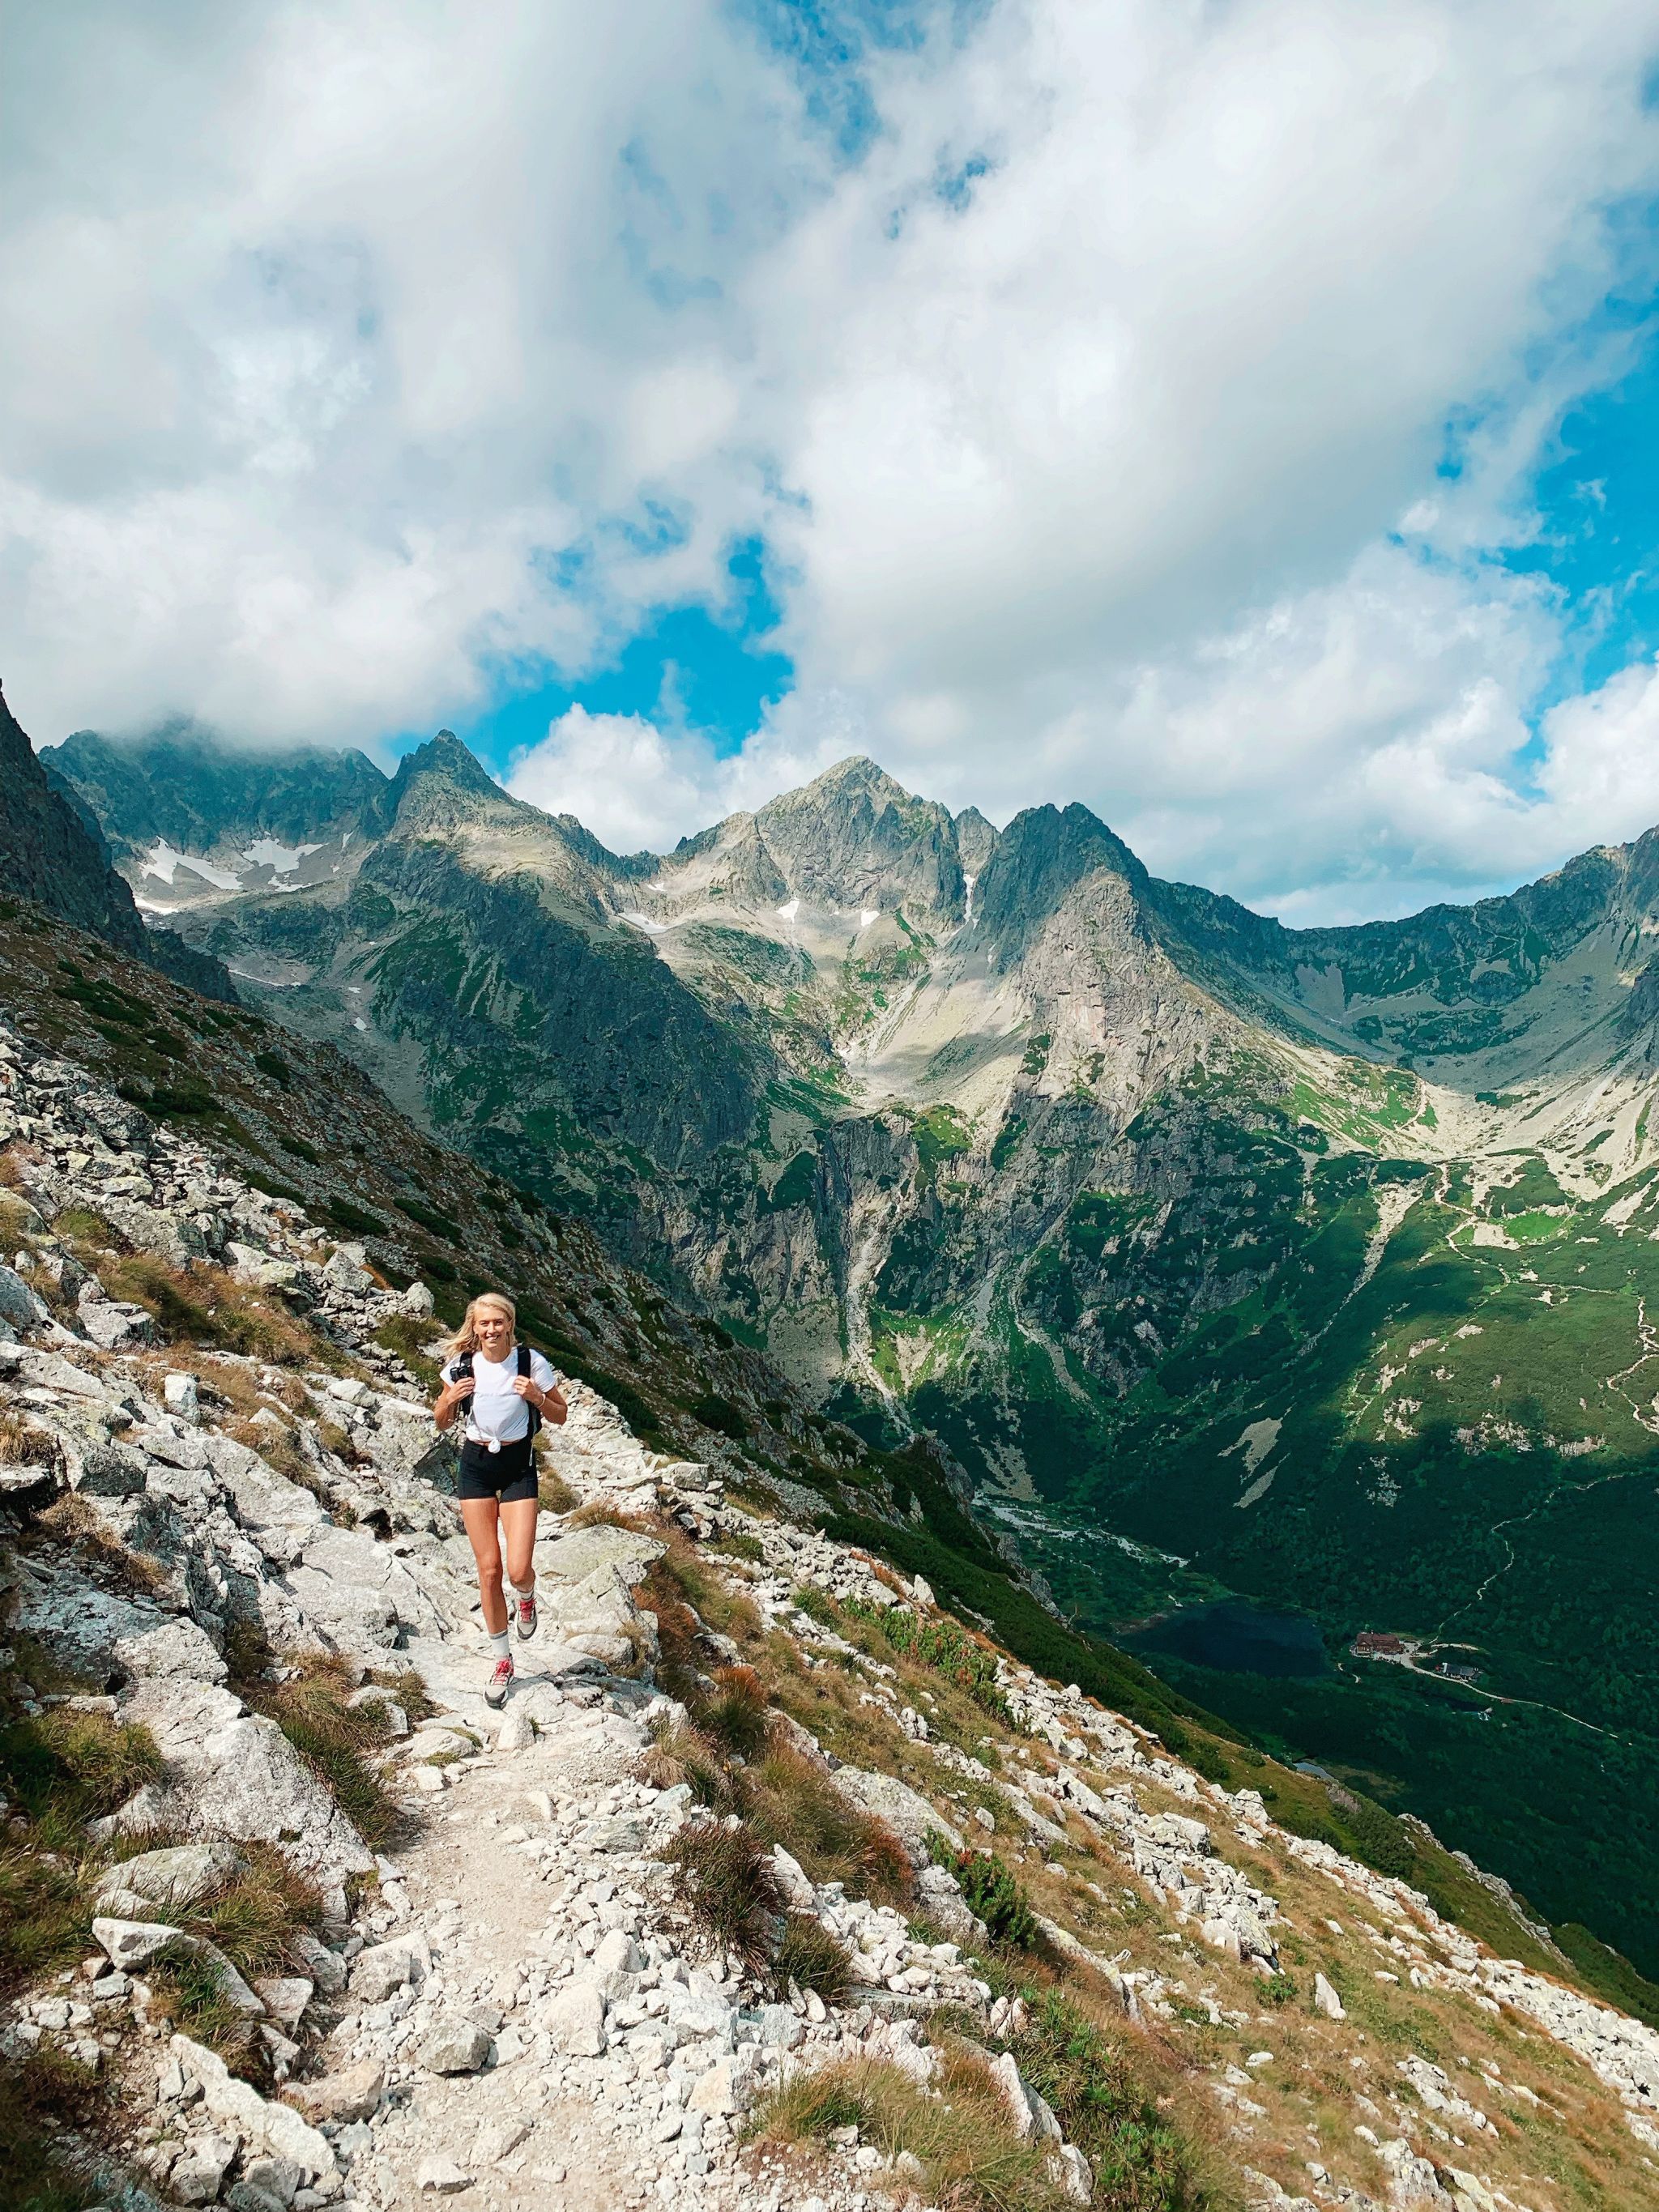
518	1995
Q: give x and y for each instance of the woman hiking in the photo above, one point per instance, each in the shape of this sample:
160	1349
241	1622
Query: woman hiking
507	1391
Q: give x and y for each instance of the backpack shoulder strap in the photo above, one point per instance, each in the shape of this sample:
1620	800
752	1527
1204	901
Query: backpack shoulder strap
463	1364
525	1374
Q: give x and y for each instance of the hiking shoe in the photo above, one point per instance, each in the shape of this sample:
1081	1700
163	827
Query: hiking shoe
496	1688
523	1614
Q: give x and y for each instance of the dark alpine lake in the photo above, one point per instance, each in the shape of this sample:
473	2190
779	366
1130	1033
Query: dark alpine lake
1236	1637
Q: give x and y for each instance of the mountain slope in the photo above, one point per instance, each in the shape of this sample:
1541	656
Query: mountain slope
1307	1265
51	850
222	1523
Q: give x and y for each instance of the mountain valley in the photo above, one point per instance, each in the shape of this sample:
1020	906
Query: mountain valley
1313	1267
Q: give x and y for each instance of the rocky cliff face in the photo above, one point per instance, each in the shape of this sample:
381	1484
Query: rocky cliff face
52	851
810	1844
179	786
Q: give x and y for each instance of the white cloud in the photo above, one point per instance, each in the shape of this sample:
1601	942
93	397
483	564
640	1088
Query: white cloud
640	789
359	349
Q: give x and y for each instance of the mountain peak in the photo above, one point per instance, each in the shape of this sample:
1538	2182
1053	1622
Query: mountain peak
855	836
446	756
858	768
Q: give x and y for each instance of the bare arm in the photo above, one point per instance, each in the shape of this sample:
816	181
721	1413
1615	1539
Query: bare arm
449	1401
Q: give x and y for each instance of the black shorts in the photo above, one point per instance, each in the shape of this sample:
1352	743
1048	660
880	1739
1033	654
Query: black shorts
508	1475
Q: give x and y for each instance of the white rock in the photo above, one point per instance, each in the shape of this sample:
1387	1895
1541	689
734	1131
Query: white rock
270	2127
181	1398
384	1967
442	2175
1326	2000
133	1944
575	2020
455	2046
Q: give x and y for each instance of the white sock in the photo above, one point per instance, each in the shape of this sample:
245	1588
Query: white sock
529	1591
501	1644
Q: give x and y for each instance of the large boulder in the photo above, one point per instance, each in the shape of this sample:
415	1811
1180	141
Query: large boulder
174	1651
910	1817
239	1776
153	1229
19	1304
160	1882
573	1556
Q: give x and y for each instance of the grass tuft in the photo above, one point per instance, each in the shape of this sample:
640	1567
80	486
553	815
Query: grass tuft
808	1955
972	2159
188	1993
255	1917
725	1878
738	1717
44	2094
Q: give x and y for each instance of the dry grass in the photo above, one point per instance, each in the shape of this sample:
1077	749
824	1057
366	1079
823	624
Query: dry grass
204	1305
335	1439
725	1878
553	1493
74	1521
972	2159
809	1957
737	1716
23	1444
255	1917
789	1801
597	1514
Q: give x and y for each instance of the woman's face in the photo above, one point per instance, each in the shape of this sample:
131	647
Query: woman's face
493	1330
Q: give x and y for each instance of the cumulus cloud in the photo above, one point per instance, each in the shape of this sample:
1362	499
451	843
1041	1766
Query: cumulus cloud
367	355
639	788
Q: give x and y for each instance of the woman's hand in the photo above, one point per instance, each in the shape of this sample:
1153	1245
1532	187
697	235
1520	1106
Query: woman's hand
450	1399
549	1403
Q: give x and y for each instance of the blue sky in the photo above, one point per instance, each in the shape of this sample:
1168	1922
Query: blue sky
1237	418
713	669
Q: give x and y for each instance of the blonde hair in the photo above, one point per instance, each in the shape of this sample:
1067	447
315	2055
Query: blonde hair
466	1338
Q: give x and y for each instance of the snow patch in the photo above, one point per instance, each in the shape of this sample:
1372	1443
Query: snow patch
788	912
164	864
644	921
866	915
281	860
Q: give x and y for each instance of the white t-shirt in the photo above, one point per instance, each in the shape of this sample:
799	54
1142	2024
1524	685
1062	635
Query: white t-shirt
495	1411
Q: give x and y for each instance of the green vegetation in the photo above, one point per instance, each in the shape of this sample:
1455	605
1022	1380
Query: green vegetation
44	2094
993	1891
941	1645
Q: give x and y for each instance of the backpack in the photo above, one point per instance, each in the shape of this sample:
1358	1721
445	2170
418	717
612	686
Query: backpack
464	1366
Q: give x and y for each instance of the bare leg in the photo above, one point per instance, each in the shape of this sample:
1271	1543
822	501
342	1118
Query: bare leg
480	1515
519	1529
